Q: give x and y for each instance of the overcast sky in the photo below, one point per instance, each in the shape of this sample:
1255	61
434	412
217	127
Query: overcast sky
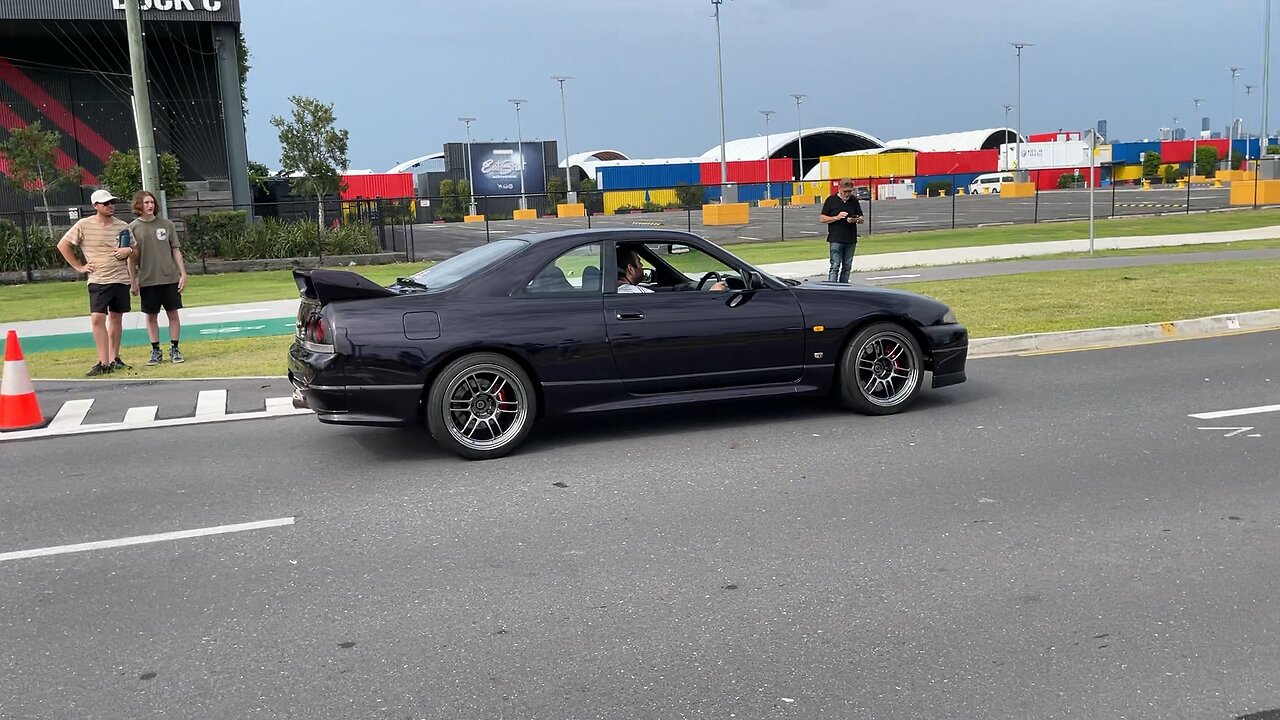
401	72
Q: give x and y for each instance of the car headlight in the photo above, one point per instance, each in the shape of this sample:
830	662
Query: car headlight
949	317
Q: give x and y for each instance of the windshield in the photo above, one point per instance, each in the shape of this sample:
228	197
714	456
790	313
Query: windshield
469	263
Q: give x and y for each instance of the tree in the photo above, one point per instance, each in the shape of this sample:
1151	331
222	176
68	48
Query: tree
1206	160
122	174
555	190
1150	165
464	194
32	154
242	57
690	196
258	174
451	201
313	148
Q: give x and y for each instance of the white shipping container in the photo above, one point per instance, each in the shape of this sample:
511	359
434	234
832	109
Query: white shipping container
1044	155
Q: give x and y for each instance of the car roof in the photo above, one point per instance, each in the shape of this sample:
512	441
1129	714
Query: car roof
621	234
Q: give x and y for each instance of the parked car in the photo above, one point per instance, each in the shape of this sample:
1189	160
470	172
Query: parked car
862	192
480	345
990	183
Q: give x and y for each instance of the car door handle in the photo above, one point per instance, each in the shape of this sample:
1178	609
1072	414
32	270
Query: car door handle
629	315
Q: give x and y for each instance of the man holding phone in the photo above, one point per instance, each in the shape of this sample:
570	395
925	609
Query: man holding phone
842	213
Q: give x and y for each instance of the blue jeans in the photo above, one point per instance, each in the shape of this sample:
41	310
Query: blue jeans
841	261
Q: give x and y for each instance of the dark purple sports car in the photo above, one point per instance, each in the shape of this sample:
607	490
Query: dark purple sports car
480	345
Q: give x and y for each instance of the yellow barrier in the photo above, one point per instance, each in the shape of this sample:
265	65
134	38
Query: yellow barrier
571	210
726	214
1267	192
530	214
1018	190
473	218
769	203
803	200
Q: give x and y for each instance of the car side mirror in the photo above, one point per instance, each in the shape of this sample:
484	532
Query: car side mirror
756	281
648	275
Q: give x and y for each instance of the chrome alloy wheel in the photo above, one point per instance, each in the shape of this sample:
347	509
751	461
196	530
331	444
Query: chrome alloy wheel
886	370
486	407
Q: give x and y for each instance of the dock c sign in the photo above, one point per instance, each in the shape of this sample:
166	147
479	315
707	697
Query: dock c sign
187	5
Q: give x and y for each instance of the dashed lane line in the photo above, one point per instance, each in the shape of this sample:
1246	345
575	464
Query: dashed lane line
144	539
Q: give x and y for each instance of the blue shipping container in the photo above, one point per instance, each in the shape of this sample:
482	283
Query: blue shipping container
640	177
960	180
751	192
1131	153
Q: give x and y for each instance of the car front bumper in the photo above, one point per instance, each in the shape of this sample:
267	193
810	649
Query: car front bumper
950	348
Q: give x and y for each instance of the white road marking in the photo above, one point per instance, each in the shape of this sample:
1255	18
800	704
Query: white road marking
1234	430
211	403
744	237
144	539
894	277
1233	413
220	312
809	232
71	414
275	407
140	415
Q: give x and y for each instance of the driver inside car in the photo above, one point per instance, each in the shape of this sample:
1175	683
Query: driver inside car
631	272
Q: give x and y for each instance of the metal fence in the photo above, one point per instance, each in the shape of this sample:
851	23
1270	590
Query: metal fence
434	227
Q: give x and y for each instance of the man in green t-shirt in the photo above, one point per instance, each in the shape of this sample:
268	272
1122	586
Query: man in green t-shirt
157	273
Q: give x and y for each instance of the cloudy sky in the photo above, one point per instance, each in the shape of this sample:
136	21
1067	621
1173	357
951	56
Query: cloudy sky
401	72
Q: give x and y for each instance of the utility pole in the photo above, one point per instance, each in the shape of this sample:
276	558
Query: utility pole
1017	157
471	187
728	193
1231	121
768	181
570	195
142	99
799	138
1195	138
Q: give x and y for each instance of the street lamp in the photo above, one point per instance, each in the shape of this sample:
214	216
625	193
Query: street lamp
1017	158
1195	137
471	188
768	180
1007	108
571	197
1248	91
520	150
1266	77
1231	121
799	136
728	193
1173	129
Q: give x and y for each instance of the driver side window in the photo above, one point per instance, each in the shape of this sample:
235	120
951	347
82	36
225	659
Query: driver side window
694	264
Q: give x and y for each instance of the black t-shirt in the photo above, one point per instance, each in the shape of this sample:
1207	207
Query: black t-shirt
842	231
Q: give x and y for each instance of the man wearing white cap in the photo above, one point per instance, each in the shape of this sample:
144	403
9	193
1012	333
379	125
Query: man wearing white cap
106	248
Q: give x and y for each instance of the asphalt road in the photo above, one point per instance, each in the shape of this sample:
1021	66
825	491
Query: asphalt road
1055	538
444	240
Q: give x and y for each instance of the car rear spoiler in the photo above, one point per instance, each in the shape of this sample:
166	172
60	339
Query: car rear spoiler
326	286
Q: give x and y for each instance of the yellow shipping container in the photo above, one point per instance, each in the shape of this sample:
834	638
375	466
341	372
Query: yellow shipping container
863	167
636	198
1126	172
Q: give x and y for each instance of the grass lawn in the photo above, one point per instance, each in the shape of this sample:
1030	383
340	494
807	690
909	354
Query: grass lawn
1072	300
989	306
42	300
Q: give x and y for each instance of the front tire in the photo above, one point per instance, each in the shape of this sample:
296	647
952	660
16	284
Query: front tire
481	406
881	370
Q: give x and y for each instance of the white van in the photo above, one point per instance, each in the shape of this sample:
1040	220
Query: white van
989	183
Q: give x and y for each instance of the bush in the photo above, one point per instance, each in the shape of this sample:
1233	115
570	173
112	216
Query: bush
1170	173
43	249
1150	165
207	232
1206	160
690	196
936	188
1066	182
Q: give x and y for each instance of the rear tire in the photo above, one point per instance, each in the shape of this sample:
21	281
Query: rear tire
881	370
481	406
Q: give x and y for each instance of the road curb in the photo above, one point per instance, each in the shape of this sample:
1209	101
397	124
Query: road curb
1125	335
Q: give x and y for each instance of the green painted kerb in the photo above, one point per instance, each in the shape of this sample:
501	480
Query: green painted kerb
138	337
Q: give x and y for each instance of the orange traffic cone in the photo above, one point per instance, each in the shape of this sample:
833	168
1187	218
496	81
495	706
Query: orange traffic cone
19	408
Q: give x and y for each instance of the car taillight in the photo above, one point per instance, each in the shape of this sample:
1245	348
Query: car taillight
318	332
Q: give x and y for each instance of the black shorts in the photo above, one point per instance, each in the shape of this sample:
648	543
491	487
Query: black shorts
155	297
113	297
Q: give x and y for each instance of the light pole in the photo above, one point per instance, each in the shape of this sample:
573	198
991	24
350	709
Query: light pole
1266	77
571	196
1017	158
1007	107
1195	138
1173	129
1231	121
728	193
471	188
768	180
1248	92
799	136
520	150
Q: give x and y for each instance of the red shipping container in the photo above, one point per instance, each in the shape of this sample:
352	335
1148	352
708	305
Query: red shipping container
748	171
1048	179
377	185
1059	136
957	162
1179	151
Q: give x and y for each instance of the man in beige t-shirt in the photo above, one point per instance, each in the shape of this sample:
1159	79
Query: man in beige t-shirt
99	240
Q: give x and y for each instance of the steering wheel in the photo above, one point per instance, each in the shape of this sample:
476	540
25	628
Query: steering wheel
713	274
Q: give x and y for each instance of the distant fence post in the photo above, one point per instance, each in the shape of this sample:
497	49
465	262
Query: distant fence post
953	202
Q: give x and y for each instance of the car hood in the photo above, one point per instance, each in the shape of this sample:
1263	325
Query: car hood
925	309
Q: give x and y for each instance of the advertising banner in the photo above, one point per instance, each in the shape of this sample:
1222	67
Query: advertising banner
495	168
